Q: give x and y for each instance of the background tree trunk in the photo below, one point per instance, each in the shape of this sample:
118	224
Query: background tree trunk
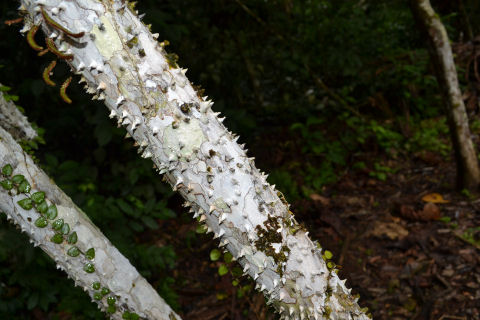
123	64
468	173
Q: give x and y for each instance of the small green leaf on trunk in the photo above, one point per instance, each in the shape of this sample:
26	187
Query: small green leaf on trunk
7	170
24	187
7	184
38	197
26	203
17	179
65	228
111	309
89	268
90	254
72	238
111	301
57	224
42	207
41	222
73	251
57	238
52	212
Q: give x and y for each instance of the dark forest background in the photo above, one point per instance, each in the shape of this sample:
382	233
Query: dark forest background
320	91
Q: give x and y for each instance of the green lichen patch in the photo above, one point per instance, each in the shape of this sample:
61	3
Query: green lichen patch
107	40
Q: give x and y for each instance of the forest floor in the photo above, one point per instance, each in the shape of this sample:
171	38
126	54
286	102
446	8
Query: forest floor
409	245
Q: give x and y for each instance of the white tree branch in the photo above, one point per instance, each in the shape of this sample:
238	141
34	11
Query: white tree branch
108	277
12	120
122	63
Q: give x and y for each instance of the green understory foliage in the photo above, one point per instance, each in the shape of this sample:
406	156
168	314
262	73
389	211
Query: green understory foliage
317	90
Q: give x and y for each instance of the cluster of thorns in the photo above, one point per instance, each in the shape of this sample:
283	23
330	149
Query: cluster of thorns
50	47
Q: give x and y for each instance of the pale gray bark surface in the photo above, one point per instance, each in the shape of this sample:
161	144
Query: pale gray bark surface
441	52
122	63
112	270
12	120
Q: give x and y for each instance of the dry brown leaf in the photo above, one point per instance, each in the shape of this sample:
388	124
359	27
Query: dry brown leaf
408	212
318	198
434	198
430	212
388	229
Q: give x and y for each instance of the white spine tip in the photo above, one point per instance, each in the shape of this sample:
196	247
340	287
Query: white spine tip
120	99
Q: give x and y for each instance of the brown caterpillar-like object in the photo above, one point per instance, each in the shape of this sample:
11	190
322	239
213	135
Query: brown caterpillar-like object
57	26
53	48
63	92
31	38
46	73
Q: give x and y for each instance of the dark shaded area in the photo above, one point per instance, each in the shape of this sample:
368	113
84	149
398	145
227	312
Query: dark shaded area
336	99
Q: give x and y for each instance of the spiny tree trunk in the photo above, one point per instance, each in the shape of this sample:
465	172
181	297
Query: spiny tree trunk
468	173
54	223
123	64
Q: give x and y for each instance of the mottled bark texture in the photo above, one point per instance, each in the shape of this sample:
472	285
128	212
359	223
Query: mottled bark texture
122	63
12	120
468	173
54	223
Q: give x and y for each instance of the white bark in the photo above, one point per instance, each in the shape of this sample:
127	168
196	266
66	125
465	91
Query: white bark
132	293
12	120
123	64
441	52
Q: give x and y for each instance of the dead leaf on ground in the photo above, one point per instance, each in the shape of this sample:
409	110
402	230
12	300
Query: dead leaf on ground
389	229
430	212
351	201
318	198
434	198
407	212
